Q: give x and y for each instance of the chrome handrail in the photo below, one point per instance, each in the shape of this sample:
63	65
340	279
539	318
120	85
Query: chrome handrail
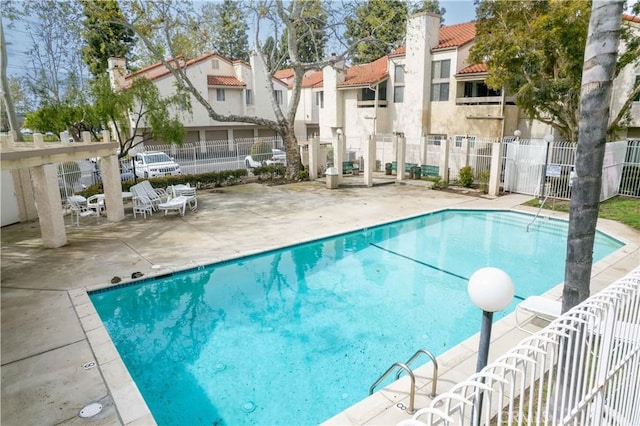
538	213
434	382
412	394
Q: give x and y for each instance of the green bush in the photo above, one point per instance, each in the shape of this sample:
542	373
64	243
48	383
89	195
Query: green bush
438	183
270	172
261	151
483	180
466	176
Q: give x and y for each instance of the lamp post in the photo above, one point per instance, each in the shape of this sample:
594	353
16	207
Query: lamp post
491	290
548	139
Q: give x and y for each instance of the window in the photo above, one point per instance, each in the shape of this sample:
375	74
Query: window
367	94
440	92
320	99
637	98
248	97
478	89
440	71
220	95
399	74
277	94
215	64
398	94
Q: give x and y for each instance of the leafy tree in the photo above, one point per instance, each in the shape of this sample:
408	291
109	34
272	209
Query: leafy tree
104	38
62	117
595	97
138	113
542	72
174	18
231	39
384	21
311	33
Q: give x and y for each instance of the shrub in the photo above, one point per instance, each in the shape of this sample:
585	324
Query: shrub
303	175
438	183
261	151
483	179
466	176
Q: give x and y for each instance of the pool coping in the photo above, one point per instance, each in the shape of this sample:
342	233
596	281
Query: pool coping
384	406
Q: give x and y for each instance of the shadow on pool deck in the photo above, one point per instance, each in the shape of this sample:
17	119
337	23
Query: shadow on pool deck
49	370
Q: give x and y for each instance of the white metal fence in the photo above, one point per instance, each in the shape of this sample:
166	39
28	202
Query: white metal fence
583	369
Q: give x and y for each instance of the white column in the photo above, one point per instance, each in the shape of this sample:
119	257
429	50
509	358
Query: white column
86	137
49	205
369	160
444	159
112	188
400	159
338	155
314	156
38	140
495	169
423	150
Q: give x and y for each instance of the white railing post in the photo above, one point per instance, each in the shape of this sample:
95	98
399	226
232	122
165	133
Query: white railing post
423	150
495	168
314	156
444	159
401	151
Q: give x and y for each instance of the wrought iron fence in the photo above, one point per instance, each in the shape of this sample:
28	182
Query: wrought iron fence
583	369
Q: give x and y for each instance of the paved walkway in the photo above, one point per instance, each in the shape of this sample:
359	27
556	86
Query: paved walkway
56	356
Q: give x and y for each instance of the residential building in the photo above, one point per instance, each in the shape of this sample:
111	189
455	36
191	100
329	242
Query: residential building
428	88
230	87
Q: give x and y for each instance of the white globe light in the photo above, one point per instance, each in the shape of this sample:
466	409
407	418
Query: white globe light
548	138
490	289
517	133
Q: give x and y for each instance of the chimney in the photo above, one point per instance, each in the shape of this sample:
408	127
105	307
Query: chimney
117	69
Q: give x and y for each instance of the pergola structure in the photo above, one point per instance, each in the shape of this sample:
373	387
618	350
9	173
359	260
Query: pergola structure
35	165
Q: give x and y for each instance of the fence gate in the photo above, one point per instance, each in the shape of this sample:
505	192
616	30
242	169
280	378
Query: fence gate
524	161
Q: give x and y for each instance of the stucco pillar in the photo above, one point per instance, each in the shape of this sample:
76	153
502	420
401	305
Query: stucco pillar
401	151
338	155
444	159
24	194
496	166
112	188
423	150
466	146
86	137
49	205
369	160
314	156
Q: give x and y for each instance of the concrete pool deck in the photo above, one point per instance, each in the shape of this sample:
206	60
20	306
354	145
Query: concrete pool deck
57	357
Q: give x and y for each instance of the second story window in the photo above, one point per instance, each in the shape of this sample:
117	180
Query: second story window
398	84
277	94
398	94
220	95
399	74
320	99
248	97
440	72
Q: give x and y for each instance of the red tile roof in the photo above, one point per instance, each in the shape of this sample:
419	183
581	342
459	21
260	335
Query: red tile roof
370	73
631	18
224	80
400	51
313	80
284	74
158	69
456	35
475	68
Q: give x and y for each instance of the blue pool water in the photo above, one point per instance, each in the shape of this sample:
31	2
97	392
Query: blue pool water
296	335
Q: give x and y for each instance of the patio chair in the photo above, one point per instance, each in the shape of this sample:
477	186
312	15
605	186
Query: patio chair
96	203
185	191
153	194
540	307
176	203
79	208
142	204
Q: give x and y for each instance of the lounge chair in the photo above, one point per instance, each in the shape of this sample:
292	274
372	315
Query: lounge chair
79	208
176	203
142	204
155	195
540	307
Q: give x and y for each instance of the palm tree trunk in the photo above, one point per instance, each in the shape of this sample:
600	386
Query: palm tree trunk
595	99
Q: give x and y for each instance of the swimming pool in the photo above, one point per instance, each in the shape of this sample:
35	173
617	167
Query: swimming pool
296	335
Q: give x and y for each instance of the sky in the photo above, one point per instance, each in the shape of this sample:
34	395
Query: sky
19	41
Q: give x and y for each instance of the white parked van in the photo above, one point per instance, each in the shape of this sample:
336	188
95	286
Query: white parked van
155	163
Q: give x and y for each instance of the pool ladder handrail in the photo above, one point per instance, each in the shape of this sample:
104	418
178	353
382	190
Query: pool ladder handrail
405	367
434	382
412	395
538	213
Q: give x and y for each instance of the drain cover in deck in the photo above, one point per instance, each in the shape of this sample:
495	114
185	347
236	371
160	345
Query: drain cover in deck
90	410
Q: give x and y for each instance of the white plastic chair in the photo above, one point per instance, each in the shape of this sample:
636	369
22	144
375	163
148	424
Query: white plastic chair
188	192
96	203
151	193
78	206
142	204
